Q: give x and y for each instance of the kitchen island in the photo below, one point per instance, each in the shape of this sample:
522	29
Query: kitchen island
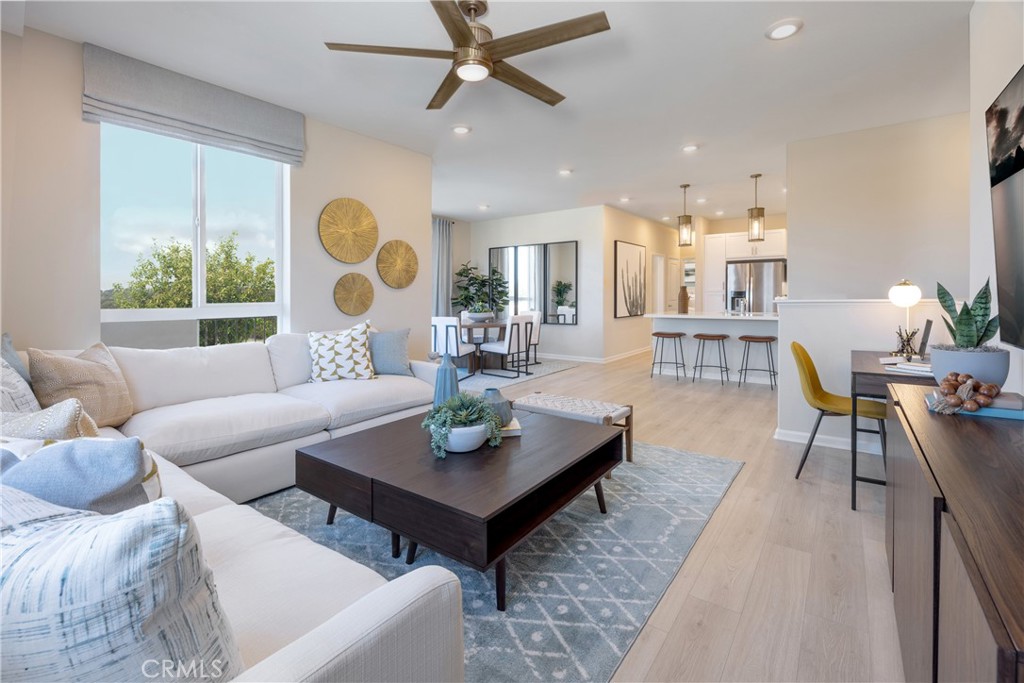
734	325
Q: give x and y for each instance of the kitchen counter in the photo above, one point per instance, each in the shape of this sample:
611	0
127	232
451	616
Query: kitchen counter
734	325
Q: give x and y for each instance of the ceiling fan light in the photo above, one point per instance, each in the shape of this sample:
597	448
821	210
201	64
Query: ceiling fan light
472	72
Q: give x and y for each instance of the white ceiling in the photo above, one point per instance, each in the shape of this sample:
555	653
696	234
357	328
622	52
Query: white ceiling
666	74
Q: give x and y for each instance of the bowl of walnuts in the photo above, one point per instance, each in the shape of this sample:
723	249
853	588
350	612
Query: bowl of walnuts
961	392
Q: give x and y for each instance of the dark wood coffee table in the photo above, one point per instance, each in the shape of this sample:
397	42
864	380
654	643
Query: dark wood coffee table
473	507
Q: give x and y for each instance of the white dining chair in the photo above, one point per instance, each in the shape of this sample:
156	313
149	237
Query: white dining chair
514	348
446	337
534	337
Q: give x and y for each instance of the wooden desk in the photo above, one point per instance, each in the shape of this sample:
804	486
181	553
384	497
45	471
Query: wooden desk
868	378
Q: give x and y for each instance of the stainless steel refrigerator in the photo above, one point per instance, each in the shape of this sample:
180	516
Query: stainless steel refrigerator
752	286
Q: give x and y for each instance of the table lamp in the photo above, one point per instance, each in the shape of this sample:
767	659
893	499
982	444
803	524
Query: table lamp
905	294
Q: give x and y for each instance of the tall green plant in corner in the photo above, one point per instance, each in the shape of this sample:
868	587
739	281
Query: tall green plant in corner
969	327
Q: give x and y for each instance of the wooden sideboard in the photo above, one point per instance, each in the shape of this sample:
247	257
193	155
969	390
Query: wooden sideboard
955	541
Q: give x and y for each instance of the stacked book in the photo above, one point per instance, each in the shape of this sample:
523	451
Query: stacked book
912	368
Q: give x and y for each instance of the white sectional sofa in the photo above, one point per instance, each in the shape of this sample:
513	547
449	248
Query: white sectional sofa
232	416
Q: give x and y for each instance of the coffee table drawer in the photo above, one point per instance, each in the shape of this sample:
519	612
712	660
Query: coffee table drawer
348	491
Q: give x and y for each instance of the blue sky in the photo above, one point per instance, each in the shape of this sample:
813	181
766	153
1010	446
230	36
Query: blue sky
146	193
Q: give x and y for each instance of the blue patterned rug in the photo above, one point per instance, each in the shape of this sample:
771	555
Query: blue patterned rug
580	588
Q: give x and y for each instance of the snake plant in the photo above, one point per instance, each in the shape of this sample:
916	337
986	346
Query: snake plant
971	326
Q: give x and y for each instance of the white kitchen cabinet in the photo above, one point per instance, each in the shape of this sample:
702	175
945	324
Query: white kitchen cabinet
773	246
713	297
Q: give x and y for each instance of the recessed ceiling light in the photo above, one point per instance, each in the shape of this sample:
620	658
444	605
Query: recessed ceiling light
565	172
665	218
701	200
623	199
785	190
719	213
484	207
783	29
689	149
461	129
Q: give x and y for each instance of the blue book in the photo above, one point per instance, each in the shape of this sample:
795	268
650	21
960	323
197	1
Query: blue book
1005	406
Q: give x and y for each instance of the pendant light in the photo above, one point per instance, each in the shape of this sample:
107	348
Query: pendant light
685	223
755	217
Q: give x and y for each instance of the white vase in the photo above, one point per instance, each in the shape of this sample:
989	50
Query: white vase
988	367
480	317
463	439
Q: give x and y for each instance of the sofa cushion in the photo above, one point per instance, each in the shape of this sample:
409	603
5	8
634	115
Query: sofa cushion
389	352
164	377
93	377
15	393
64	420
8	353
95	597
342	354
275	584
195	497
214	427
349	401
290	359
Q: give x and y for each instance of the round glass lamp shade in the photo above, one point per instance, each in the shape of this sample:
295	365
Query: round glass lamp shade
904	294
472	71
686	231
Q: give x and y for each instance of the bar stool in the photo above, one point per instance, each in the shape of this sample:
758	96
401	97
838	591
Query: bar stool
677	352
749	339
723	363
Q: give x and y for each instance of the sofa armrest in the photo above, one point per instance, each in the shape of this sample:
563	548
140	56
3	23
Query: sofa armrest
409	629
424	370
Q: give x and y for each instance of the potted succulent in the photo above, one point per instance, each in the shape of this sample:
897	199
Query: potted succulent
461	424
970	328
482	296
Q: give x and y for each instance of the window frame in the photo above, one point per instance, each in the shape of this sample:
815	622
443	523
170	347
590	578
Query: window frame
200	309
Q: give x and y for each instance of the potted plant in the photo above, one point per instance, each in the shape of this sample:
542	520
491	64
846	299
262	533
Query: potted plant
970	328
560	292
482	296
461	424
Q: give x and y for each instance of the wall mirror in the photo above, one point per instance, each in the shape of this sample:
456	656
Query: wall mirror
541	277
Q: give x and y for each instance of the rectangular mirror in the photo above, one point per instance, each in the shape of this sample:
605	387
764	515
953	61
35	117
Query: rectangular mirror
541	277
560	283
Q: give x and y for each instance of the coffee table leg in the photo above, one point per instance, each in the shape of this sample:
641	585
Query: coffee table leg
331	513
599	490
499	583
396	540
410	555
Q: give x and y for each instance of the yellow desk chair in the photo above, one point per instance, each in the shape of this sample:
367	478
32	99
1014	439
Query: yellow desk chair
830	405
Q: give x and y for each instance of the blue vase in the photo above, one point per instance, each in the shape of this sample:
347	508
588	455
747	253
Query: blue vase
446	384
499	404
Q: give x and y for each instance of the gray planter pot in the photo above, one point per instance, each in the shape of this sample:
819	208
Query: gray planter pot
990	367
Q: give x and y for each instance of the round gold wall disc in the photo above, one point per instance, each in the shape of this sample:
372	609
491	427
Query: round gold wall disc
397	264
353	294
348	230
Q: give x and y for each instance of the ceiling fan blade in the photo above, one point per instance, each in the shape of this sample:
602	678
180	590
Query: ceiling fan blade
534	39
451	16
508	74
448	87
400	51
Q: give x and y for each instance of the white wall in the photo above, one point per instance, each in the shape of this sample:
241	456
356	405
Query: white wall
717	226
51	199
997	52
585	340
394	184
870	207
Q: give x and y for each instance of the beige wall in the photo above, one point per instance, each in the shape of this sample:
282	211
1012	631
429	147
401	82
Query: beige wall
51	199
997	52
868	208
394	183
719	226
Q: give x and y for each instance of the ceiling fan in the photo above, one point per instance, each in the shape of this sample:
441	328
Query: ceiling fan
476	54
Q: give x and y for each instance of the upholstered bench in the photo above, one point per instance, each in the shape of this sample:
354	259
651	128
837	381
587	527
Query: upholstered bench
585	409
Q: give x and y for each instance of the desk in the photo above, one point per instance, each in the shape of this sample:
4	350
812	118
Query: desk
868	378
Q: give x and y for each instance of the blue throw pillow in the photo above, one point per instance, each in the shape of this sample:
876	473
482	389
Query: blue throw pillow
8	353
389	352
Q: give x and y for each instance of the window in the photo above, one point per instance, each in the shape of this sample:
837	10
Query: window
159	199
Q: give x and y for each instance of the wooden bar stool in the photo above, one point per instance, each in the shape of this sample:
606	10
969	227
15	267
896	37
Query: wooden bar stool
677	352
723	363
749	339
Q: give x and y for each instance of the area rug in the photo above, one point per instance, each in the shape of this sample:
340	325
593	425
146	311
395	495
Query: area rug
480	382
579	589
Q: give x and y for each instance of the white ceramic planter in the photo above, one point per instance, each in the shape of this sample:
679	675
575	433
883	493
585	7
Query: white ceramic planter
480	317
989	367
464	439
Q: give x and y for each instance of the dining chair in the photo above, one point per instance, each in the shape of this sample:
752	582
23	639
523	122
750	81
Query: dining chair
831	405
534	337
471	336
514	349
446	337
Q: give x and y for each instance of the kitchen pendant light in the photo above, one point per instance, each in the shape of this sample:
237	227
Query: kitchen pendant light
685	223
755	217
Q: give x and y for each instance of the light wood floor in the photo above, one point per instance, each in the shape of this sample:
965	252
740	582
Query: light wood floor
786	583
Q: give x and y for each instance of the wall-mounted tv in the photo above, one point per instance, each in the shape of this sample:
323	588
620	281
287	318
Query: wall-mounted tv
1005	125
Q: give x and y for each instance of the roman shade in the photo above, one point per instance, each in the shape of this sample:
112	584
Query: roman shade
128	92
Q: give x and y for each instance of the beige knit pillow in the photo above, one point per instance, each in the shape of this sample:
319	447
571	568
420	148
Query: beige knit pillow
92	377
64	420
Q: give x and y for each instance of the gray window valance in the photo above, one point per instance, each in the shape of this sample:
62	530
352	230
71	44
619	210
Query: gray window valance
119	89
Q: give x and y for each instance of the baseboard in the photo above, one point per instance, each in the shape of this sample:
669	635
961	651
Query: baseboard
865	443
592	359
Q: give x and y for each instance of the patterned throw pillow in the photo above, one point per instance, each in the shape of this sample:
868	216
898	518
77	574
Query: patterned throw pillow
93	377
64	420
341	355
8	353
15	394
108	597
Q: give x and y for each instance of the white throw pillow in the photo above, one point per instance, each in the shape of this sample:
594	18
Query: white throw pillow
341	355
15	394
124	597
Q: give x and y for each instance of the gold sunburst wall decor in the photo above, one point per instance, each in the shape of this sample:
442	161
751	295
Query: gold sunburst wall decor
397	264
353	294
348	230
